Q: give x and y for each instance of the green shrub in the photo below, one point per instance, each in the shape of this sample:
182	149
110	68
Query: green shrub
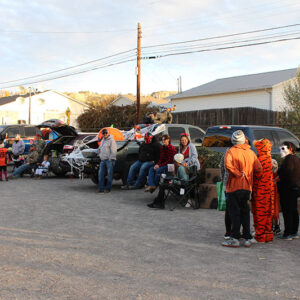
208	159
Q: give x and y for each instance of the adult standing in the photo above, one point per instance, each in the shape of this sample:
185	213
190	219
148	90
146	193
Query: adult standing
149	152
241	163
18	148
107	152
166	157
189	151
288	187
263	193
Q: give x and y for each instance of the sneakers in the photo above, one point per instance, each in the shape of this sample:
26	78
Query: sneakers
150	189
125	187
227	236
248	243
106	191
156	205
286	237
295	236
234	243
101	192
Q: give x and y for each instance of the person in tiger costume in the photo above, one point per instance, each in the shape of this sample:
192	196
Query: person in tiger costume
263	194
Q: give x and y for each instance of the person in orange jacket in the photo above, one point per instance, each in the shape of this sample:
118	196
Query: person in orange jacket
3	160
241	163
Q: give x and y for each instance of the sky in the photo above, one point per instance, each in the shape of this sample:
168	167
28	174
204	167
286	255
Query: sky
41	36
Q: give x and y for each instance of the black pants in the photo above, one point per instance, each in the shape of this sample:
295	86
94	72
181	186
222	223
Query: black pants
160	199
288	202
227	217
239	213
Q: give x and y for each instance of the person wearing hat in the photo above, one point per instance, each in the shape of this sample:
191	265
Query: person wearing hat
107	152
18	148
180	172
30	163
241	164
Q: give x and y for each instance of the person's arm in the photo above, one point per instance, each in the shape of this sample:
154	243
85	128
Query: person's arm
22	148
193	157
230	167
113	150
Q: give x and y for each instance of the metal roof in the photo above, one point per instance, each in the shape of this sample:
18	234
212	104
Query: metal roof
239	83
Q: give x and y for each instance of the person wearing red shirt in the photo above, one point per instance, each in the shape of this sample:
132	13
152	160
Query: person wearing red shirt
3	161
167	152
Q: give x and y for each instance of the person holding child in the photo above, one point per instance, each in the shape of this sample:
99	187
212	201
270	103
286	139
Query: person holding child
181	173
43	167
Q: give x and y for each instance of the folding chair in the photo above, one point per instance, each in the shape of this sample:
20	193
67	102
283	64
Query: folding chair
181	191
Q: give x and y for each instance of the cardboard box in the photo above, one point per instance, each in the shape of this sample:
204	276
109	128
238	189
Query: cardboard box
208	196
212	176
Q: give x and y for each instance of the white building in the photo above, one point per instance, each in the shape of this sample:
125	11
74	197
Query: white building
44	106
263	90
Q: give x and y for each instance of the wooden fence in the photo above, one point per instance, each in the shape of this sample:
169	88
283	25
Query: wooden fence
227	116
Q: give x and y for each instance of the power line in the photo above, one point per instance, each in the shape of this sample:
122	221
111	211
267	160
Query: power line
223	36
74	73
221	48
72	67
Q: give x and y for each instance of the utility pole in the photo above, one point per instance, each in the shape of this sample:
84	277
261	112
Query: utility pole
138	81
179	84
29	110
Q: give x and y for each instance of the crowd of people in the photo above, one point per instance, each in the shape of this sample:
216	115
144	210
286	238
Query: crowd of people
257	178
35	162
247	179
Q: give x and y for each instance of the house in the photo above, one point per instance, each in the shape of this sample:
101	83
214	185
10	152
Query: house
263	90
43	106
129	99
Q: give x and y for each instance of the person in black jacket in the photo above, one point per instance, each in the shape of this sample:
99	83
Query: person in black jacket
149	153
289	187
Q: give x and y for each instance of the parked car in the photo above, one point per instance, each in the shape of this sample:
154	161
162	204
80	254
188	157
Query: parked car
27	133
128	150
66	138
218	138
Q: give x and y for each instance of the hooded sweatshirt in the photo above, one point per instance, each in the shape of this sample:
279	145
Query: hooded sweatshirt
241	163
108	148
18	147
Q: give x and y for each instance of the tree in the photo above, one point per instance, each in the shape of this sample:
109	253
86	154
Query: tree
102	115
291	112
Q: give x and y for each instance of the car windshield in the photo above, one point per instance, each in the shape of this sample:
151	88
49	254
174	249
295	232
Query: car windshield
2	128
218	137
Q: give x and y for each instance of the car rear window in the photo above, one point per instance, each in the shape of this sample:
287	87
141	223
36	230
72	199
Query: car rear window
196	135
30	131
174	133
286	137
218	137
265	134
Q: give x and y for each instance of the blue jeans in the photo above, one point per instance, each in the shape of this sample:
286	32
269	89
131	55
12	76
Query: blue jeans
154	175
20	170
106	167
140	168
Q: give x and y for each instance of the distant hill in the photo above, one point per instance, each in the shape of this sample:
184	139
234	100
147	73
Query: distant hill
96	99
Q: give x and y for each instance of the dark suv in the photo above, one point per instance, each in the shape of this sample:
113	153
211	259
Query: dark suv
218	138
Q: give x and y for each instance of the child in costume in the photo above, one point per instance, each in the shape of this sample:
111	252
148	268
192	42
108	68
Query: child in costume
3	161
263	192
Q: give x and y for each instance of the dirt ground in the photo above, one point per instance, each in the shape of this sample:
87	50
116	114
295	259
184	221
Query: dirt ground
60	239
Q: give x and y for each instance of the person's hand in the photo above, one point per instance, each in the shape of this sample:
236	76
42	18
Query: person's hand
156	167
